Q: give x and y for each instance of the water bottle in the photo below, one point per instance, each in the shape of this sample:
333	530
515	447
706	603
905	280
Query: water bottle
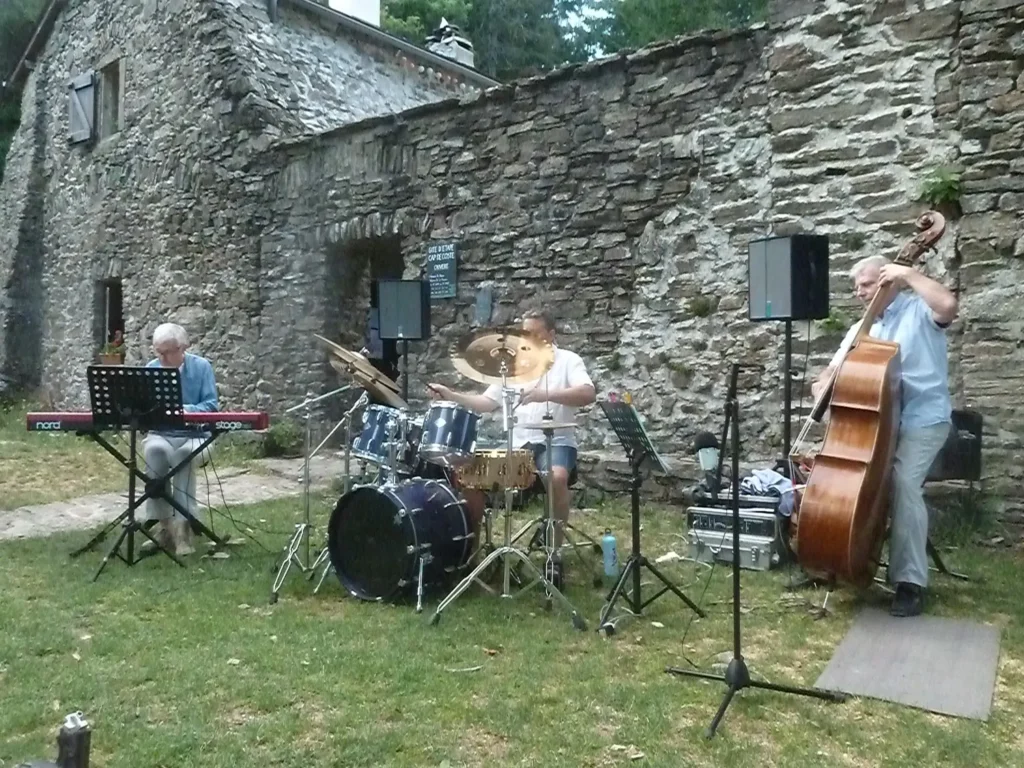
611	556
73	742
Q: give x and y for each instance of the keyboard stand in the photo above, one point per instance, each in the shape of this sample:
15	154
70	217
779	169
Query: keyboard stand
139	398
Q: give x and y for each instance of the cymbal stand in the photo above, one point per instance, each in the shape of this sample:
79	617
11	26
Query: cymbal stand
507	551
323	559
302	530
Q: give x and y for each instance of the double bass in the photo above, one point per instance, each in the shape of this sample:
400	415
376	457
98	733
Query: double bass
840	520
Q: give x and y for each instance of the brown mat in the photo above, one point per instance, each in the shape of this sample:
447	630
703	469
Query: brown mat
941	665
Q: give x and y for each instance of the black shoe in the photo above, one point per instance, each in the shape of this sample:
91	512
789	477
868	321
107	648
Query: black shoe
553	573
909	600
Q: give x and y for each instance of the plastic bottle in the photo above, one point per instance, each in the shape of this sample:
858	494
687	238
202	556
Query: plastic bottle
611	556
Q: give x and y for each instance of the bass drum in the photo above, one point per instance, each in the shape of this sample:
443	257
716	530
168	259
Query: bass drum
376	536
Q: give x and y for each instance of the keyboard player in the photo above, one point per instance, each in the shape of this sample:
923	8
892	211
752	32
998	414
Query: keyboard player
165	450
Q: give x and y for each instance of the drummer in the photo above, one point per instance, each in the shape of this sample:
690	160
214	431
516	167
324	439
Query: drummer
557	394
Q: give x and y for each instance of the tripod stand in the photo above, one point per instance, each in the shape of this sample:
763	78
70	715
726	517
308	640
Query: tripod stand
507	551
146	399
637	444
304	529
324	558
737	676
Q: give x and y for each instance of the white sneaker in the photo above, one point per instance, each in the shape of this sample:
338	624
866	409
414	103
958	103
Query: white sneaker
182	538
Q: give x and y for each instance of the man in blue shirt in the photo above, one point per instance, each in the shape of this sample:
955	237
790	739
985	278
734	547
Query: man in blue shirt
916	314
165	450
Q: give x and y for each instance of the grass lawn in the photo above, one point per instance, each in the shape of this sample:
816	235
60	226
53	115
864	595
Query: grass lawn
194	667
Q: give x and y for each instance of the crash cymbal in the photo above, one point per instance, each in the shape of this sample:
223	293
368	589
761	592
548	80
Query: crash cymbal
549	425
370	385
479	355
360	363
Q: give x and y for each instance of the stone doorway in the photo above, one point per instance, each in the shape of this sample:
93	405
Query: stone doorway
349	304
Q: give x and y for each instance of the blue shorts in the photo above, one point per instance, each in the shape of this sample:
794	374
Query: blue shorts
563	456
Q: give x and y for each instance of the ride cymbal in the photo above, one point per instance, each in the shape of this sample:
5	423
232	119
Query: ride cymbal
481	354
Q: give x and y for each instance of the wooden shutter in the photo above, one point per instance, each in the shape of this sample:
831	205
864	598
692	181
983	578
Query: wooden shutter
82	107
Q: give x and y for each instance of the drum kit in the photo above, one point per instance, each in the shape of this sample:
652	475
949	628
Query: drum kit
412	524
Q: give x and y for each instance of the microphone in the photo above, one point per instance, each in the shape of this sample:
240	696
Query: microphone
705	445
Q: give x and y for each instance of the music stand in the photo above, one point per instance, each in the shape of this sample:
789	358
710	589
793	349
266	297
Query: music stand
147	399
639	450
737	676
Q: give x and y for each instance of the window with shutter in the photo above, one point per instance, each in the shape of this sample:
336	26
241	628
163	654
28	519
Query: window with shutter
82	107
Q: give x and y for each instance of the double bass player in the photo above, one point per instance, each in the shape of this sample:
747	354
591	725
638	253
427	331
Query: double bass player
915	315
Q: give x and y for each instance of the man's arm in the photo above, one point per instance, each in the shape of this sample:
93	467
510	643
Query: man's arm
477	403
207	393
576	397
580	392
939	298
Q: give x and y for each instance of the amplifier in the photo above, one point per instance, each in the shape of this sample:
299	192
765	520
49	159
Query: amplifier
754	521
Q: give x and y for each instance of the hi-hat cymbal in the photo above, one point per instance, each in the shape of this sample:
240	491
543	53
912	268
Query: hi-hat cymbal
370	385
359	363
549	425
479	355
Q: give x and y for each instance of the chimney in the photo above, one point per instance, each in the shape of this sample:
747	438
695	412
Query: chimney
448	41
364	10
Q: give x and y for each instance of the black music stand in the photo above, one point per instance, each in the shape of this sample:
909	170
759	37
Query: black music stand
639	450
147	399
737	676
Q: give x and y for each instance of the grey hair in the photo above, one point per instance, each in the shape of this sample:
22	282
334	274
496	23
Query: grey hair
868	261
170	332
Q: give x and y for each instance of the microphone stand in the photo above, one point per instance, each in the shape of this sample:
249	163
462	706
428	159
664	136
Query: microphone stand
737	676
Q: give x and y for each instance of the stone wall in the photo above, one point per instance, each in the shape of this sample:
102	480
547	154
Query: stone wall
623	193
302	74
21	204
990	242
547	186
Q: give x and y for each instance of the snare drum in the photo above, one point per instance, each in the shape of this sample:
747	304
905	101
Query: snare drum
381	425
448	436
494	470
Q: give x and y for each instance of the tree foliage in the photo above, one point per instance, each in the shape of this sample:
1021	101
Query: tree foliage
620	24
17	20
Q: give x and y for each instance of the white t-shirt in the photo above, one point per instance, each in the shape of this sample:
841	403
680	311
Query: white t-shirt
568	370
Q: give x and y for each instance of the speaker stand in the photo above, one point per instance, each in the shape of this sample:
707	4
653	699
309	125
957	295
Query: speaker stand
787	401
405	370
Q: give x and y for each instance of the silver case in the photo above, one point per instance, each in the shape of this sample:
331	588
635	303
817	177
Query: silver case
757	553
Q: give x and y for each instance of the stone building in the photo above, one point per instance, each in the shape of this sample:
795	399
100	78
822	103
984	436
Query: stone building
622	192
126	189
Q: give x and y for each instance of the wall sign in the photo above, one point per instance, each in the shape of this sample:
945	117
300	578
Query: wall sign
441	270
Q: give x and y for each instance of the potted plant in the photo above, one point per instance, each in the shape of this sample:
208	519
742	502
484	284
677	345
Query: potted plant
112	353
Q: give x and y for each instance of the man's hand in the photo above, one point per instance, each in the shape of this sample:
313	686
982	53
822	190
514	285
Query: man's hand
535	395
893	275
439	392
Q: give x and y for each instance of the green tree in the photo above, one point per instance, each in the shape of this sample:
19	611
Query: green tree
511	38
620	24
17	21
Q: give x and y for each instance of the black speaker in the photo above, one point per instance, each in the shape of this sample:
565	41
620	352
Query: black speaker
788	278
960	456
404	309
